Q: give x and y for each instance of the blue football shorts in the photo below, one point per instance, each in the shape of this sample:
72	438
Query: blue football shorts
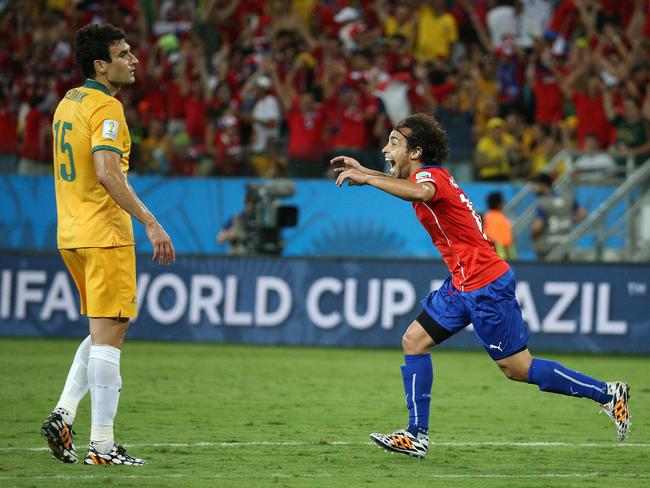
493	310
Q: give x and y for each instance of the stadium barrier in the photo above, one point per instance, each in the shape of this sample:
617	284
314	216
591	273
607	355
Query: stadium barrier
327	302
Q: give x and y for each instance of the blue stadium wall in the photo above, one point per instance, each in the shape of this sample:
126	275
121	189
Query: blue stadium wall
332	221
308	297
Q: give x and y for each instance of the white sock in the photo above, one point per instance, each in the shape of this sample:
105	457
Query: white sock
76	385
102	432
105	386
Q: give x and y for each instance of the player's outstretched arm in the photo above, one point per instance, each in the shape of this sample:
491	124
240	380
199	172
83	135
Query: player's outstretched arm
404	189
110	176
342	163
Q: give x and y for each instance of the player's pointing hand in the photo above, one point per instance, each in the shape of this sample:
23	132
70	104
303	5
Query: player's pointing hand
352	176
342	163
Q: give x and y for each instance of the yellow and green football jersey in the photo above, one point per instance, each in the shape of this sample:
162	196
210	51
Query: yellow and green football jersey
89	119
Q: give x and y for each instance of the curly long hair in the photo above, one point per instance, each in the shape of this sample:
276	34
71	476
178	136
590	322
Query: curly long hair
93	42
427	134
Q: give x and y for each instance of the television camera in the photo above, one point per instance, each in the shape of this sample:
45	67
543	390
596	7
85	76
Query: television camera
265	216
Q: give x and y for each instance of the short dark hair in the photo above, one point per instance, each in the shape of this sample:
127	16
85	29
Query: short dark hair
544	179
427	134
93	42
495	200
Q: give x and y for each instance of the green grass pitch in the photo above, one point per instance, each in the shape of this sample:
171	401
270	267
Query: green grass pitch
232	415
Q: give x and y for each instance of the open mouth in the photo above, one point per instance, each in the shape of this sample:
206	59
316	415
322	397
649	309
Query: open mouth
391	162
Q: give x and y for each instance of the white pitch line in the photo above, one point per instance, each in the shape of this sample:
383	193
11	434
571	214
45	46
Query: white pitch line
194	476
190	445
539	444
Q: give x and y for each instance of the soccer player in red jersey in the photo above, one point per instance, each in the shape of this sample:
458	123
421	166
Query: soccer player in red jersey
480	290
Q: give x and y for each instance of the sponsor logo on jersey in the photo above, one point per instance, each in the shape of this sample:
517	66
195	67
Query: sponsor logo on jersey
110	129
423	176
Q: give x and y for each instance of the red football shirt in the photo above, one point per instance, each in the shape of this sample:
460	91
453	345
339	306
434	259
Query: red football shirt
457	231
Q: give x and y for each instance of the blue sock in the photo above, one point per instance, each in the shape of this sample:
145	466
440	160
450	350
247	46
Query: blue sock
417	374
552	376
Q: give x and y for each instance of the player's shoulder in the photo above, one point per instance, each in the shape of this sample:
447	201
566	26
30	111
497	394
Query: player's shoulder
105	106
422	175
104	100
434	174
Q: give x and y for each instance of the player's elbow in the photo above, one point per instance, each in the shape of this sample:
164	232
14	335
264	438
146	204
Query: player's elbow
105	177
108	178
101	176
421	194
107	167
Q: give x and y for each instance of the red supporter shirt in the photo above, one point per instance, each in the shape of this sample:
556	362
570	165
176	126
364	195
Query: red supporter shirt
440	92
175	101
156	99
227	146
417	94
591	118
32	146
457	231
8	132
350	128
564	19
195	110
549	101
237	21
305	133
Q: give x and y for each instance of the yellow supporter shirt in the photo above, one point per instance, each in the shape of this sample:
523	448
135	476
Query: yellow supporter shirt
89	119
305	9
496	154
392	28
435	35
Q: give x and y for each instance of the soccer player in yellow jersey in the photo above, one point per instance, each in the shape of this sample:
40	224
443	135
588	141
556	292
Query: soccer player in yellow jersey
95	203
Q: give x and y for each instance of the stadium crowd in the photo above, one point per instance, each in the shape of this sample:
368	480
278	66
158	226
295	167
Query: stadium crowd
268	88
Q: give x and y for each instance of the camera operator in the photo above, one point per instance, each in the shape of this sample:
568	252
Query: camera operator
235	230
257	229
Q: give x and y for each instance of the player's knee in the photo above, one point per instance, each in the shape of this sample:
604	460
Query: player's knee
117	341
411	344
513	372
109	331
120	333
